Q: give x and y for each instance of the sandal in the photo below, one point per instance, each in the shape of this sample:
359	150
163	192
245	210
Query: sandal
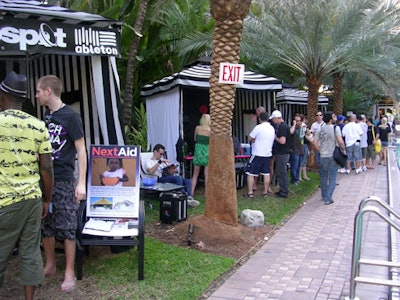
247	195
265	195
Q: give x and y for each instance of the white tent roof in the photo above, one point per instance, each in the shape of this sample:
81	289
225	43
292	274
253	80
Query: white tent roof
22	9
199	76
295	96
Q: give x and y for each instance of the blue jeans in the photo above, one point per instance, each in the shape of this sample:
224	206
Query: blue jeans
328	173
295	165
179	180
281	173
318	159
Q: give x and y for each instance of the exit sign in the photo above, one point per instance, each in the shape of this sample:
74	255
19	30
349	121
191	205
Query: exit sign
231	73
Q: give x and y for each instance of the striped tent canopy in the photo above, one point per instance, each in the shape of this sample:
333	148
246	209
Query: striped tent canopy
174	104
295	96
80	48
199	76
291	101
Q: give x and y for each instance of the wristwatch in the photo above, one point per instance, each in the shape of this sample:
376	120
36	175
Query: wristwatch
159	162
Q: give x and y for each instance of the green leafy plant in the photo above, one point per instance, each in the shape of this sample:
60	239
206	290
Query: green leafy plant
136	134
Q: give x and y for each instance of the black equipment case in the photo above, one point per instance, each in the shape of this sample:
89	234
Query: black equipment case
173	207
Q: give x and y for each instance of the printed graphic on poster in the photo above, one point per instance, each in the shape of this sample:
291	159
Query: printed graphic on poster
113	182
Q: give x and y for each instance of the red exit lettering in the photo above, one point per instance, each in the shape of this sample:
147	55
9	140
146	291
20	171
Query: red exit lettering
231	73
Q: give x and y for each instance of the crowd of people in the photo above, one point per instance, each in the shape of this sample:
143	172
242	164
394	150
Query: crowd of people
364	142
39	159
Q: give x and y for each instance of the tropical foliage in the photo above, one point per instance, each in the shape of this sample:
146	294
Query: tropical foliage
320	38
287	39
346	42
138	135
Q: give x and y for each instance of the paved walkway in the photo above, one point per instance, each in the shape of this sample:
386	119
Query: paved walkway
310	257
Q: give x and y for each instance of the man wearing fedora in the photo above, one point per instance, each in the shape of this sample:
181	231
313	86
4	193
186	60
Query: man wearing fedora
26	179
68	143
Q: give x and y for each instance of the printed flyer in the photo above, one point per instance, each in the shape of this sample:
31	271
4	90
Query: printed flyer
113	182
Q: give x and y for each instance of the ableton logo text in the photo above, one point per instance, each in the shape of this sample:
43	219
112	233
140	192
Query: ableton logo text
99	42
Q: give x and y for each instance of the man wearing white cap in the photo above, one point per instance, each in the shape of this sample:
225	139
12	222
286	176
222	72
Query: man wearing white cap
281	150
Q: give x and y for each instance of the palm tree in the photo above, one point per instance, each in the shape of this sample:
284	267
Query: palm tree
375	52
316	38
130	70
221	201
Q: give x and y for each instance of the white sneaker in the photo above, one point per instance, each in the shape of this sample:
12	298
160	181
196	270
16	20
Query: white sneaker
191	202
358	171
348	172
364	168
342	170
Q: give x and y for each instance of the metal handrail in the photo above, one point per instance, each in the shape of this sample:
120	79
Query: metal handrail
378	200
357	238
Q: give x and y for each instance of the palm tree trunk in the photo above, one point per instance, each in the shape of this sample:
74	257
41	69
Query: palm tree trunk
312	109
312	100
338	93
221	198
130	69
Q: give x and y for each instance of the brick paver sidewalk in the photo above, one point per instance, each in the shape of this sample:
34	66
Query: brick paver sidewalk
310	257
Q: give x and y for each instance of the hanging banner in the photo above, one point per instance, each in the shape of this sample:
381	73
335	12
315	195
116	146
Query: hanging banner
37	36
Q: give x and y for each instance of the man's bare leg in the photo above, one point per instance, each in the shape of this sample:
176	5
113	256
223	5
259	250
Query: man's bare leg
29	290
49	244
267	180
250	183
69	283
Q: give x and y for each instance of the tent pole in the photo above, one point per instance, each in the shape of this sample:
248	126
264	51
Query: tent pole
181	112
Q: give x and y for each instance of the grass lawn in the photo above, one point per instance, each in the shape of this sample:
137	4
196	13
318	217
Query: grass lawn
178	273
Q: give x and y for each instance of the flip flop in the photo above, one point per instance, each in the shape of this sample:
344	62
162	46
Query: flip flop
68	286
247	195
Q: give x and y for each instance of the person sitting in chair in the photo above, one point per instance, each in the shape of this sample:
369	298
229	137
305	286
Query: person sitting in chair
167	172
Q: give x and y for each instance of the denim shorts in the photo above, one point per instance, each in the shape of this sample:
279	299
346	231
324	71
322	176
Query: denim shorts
354	153
305	156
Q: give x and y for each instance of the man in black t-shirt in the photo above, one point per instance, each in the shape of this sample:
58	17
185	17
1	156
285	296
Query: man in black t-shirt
67	140
281	152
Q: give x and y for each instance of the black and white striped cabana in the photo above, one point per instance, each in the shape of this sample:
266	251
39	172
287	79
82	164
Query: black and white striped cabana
175	103
80	48
291	101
